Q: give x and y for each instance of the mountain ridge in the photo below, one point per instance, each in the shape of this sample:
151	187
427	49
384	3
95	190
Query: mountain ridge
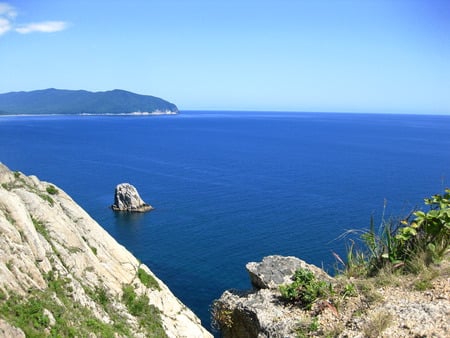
70	102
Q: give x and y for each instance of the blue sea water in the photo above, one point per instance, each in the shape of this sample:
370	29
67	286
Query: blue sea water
233	187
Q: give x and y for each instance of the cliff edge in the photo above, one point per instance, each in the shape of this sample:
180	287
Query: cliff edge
384	306
62	274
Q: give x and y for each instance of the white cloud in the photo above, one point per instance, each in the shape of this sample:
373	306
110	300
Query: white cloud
43	27
8	14
5	26
7	10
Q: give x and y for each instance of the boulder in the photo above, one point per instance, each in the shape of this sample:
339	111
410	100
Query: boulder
275	270
126	198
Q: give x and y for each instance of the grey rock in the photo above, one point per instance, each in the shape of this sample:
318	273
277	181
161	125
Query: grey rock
253	314
126	198
274	271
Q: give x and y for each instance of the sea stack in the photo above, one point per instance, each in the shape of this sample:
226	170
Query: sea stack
126	198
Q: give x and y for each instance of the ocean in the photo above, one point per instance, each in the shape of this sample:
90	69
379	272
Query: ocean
232	187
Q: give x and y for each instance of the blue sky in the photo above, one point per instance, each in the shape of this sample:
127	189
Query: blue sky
299	55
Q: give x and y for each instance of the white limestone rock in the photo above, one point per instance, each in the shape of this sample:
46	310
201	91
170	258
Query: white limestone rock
126	198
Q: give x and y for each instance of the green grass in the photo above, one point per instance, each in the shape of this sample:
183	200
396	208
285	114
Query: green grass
40	227
71	318
47	198
147	279
377	324
306	328
147	314
52	190
405	245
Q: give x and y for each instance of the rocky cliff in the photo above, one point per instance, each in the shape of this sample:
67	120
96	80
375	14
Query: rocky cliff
62	274
385	306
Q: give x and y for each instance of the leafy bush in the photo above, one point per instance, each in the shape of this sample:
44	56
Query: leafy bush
431	229
403	244
52	190
305	289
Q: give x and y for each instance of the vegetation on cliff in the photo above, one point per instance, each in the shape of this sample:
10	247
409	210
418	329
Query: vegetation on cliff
403	245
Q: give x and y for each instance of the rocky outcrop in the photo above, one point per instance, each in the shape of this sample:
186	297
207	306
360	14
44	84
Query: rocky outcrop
57	260
261	312
126	198
274	271
354	308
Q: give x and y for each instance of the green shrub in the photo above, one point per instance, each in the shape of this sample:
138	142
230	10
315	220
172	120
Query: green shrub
147	279
52	190
305	289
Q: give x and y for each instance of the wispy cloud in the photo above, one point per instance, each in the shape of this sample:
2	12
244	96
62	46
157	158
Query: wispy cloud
5	26
7	10
8	15
44	27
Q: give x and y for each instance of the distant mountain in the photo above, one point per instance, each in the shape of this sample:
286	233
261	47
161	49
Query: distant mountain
57	101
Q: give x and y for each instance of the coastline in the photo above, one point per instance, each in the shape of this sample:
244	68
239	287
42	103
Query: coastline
155	113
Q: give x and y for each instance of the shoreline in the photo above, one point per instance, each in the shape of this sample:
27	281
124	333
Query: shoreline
155	113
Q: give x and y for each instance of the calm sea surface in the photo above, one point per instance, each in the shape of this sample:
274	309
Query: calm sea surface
232	187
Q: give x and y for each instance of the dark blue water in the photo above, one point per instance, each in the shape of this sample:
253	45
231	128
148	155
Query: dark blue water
230	188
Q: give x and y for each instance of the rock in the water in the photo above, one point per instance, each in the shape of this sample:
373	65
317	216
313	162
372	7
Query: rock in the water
126	198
